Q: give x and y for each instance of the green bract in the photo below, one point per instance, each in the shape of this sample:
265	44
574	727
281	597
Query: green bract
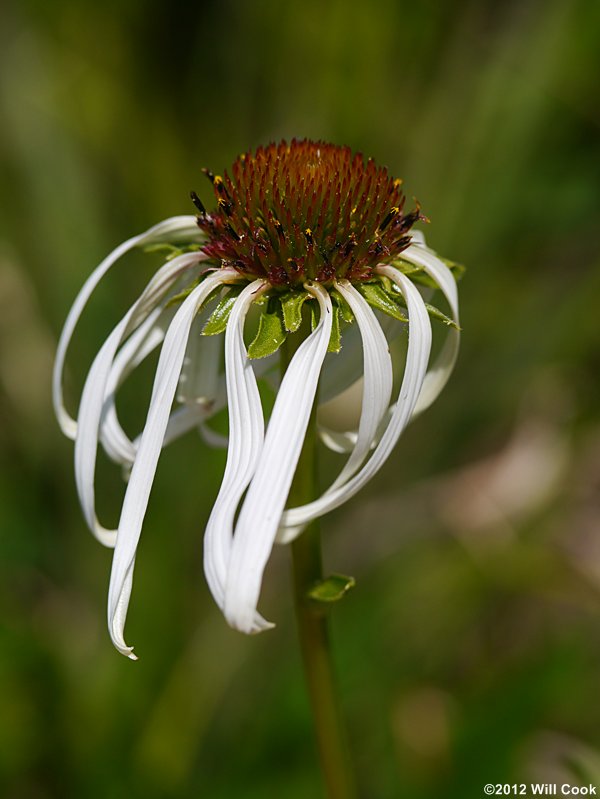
217	321
284	311
271	332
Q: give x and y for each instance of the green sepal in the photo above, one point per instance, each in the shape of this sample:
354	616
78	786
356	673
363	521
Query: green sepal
418	274
378	298
335	339
181	296
171	250
291	305
432	310
332	588
345	309
435	313
218	319
457	269
271	332
185	293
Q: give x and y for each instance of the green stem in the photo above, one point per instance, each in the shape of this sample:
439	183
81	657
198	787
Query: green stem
312	620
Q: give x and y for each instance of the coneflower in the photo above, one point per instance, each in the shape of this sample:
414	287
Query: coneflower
320	240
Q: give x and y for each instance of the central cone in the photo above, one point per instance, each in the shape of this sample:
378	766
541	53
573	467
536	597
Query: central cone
305	210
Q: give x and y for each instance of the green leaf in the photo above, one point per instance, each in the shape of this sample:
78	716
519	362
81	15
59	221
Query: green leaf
378	298
332	588
291	304
271	334
217	321
335	339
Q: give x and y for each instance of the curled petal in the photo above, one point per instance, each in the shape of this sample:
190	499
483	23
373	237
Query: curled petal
340	442
342	369
144	467
438	374
377	382
199	381
260	514
246	434
177	227
212	438
95	390
134	351
417	357
192	415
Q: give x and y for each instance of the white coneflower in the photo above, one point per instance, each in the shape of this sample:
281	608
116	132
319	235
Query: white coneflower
300	229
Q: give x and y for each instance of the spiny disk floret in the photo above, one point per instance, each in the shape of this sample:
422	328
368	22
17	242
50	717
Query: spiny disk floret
305	210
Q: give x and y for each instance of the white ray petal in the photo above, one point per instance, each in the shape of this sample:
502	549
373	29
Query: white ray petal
377	383
417	237
260	514
177	227
189	417
198	384
246	434
142	342
336	441
438	374
184	419
95	390
212	438
417	357
342	369
144	467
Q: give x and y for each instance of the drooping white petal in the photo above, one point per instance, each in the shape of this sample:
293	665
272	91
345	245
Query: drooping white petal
417	237
246	434
342	369
201	386
177	227
181	421
212	438
144	467
377	382
142	342
342	443
436	378
199	381
188	417
417	357
95	390
260	514
438	375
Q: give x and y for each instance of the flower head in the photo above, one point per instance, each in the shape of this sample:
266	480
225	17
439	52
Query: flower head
305	230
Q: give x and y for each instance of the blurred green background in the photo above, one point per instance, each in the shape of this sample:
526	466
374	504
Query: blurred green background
470	650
